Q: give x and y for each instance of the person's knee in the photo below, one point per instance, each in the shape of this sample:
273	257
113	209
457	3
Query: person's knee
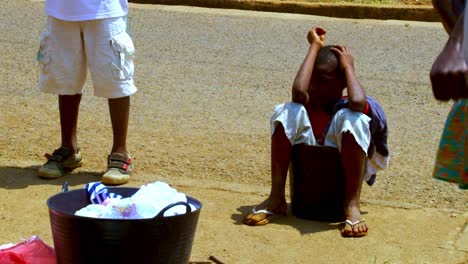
346	120
279	133
350	125
349	139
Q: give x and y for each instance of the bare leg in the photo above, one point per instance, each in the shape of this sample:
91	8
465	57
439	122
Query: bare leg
66	158
69	107
119	164
280	159
353	159
119	109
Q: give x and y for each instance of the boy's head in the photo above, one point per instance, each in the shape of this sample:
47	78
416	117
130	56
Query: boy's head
327	62
327	81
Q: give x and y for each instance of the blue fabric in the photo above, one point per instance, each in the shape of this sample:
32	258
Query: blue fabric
98	193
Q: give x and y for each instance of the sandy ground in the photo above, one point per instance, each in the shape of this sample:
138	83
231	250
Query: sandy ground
208	81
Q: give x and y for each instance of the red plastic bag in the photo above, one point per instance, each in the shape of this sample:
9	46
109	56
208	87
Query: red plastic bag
30	251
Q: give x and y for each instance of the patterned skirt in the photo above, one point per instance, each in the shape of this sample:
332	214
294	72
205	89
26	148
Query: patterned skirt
451	160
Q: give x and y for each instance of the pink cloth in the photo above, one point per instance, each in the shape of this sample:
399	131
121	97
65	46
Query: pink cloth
31	251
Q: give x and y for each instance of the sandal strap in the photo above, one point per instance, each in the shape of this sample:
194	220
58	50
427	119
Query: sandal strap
60	154
118	165
119	161
352	224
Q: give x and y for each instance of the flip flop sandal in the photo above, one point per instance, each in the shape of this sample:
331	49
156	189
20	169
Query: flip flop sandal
351	233
259	217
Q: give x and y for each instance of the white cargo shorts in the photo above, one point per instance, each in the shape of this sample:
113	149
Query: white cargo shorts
69	48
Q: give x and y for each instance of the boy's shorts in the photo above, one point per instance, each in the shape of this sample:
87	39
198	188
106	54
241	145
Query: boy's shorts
298	130
68	48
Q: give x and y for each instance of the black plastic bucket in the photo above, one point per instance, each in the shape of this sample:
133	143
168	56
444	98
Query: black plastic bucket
316	183
90	240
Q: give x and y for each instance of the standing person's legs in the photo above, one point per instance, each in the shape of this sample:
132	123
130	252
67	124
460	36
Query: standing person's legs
120	163
119	109
110	55
69	107
62	64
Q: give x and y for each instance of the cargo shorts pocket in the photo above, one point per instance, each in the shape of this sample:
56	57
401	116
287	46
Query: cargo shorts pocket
43	54
122	60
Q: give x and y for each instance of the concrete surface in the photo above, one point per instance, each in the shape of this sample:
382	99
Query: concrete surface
208	81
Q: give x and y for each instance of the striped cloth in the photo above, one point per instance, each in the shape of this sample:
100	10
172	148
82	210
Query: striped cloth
98	193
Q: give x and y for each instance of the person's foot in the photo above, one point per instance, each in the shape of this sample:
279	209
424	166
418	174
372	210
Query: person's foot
119	169
266	211
61	161
354	225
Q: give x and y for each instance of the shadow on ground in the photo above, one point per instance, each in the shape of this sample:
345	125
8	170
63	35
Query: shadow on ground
22	177
304	226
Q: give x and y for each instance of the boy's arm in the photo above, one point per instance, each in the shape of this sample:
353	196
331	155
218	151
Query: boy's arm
448	10
449	71
356	96
301	83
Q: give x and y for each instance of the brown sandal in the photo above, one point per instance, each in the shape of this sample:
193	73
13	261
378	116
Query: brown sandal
260	217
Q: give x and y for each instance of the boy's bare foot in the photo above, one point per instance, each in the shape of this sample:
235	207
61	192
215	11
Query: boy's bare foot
266	211
355	225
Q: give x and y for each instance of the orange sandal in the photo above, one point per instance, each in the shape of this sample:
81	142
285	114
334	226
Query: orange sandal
260	217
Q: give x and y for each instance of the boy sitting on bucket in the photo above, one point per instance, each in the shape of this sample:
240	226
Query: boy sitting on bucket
319	115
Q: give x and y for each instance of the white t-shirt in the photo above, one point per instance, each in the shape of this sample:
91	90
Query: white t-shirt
80	10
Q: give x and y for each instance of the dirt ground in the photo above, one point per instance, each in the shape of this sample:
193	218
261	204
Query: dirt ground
179	133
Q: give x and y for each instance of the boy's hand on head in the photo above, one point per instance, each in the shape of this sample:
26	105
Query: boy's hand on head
344	56
356	95
317	36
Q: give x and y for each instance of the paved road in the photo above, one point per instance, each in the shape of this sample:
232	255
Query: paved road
222	71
